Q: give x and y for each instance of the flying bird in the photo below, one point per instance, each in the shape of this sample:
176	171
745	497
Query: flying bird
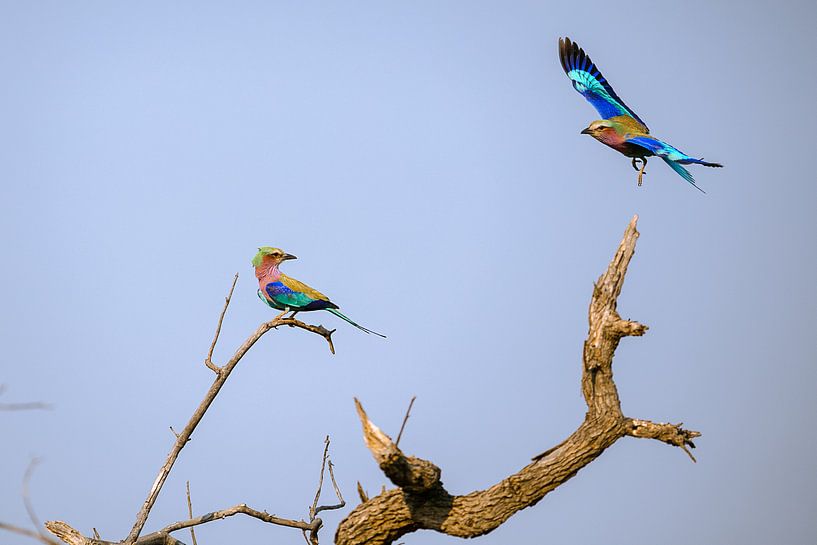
284	293
620	128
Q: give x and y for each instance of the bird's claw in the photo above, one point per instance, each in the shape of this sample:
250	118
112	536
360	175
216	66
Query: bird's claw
292	317
641	171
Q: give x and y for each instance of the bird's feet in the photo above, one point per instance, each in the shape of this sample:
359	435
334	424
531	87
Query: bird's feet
291	316
641	171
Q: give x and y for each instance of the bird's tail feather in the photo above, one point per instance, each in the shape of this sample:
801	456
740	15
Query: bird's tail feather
684	173
342	316
692	160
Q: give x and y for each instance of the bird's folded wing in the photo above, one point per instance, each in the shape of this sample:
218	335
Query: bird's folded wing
588	81
659	148
292	293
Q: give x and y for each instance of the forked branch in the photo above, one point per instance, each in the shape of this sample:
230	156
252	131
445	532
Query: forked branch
69	535
421	502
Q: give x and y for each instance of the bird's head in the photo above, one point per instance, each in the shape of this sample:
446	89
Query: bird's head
267	255
597	128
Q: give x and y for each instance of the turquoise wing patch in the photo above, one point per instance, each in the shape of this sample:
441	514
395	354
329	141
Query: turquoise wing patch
588	80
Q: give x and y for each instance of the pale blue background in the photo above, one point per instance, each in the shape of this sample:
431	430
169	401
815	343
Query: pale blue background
423	159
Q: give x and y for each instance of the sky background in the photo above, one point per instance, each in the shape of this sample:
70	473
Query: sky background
424	161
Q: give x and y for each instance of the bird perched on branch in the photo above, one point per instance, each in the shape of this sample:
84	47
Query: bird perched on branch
620	128
287	294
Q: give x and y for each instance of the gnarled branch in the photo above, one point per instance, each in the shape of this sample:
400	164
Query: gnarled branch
421	501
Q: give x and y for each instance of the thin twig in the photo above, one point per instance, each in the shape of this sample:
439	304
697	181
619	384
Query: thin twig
405	419
190	514
27	533
209	361
221	377
313	508
25	406
337	492
28	406
32	515
240	509
342	502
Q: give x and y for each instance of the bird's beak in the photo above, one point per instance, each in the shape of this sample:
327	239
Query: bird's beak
586	131
288	257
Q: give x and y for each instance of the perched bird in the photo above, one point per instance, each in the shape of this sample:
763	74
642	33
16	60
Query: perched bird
620	128
284	293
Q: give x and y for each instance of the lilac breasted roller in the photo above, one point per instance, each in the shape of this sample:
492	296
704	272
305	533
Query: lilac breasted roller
282	292
620	128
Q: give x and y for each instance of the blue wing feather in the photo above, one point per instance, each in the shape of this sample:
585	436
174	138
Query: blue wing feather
588	81
283	297
671	155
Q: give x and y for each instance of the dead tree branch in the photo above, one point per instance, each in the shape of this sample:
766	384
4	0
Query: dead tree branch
27	533
69	535
405	420
24	406
314	509
190	510
421	501
39	535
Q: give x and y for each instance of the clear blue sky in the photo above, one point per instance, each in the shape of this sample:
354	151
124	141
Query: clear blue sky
424	161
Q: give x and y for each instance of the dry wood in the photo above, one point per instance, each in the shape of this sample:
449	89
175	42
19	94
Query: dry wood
405	420
27	533
421	501
189	514
222	374
73	537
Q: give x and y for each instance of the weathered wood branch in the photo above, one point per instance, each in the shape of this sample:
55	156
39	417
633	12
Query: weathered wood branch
27	533
421	501
69	535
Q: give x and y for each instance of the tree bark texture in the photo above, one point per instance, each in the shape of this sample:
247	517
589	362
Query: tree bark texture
421	502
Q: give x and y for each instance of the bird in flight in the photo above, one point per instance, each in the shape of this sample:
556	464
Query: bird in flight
284	293
620	128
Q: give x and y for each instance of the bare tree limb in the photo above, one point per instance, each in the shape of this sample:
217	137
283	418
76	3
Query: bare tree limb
24	406
314	509
671	434
69	535
32	515
405	419
27	533
39	535
190	510
73	537
209	360
421	501
222	375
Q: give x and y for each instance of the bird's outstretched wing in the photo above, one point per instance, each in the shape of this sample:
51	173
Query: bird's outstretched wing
288	292
588	81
